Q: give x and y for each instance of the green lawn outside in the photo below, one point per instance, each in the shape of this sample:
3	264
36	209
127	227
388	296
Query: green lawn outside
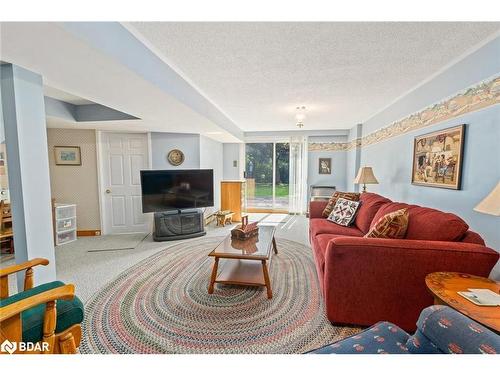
266	190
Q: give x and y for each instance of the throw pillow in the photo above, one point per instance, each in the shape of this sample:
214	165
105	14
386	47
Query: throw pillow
392	225
333	199
344	212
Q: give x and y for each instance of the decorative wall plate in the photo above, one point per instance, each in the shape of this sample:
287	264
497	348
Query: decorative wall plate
175	157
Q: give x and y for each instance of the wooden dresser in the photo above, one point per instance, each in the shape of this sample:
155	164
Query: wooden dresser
233	197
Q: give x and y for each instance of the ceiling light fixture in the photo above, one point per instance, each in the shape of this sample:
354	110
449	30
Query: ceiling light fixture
300	115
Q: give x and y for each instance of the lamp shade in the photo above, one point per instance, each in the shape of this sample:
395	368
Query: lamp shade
491	204
365	176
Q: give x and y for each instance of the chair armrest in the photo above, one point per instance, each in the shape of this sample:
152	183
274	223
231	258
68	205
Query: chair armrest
316	209
62	292
23	266
28	277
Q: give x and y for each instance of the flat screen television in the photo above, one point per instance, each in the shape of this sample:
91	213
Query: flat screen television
168	190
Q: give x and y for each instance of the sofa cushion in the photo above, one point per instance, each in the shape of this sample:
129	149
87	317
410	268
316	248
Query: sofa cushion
427	223
382	338
339	194
370	204
392	225
323	226
344	212
473	237
69	312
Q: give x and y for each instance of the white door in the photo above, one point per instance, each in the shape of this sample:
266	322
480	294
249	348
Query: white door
123	155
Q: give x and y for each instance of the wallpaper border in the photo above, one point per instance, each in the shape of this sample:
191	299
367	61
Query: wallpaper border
473	98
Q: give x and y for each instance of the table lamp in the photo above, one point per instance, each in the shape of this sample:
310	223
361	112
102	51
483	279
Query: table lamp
365	176
491	204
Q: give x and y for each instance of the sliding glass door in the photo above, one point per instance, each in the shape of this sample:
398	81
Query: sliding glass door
267	175
282	174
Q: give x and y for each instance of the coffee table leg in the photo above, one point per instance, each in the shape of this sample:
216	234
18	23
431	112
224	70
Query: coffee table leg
266	280
214	276
274	246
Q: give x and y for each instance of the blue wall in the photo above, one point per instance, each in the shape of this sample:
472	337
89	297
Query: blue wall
23	120
231	153
199	152
353	158
392	159
211	157
338	176
162	143
392	163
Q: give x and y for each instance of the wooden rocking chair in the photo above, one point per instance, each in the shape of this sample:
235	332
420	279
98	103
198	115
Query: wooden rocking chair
47	316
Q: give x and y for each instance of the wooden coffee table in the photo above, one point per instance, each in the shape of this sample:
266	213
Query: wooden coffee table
244	262
445	285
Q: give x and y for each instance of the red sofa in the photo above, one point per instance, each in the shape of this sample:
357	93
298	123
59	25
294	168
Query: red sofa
367	280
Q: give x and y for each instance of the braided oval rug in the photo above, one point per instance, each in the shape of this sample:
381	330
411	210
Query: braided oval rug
161	305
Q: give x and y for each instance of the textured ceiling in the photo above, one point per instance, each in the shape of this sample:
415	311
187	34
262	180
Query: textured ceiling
257	73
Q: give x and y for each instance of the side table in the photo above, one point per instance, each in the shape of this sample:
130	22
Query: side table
445	285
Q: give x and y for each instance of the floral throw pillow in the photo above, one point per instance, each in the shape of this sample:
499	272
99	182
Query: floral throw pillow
392	225
344	212
333	199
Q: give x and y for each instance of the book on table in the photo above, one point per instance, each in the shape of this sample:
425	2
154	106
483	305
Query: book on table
481	297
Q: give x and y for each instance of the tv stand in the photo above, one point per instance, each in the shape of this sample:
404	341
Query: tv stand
178	225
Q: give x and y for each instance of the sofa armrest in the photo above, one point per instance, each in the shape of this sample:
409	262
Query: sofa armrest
387	277
316	209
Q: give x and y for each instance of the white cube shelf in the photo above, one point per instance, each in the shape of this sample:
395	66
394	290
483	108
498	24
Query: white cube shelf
65	223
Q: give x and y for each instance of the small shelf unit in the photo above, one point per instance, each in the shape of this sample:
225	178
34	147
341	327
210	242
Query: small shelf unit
64	223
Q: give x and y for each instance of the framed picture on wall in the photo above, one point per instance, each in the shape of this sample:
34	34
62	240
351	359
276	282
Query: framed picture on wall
437	158
325	165
67	155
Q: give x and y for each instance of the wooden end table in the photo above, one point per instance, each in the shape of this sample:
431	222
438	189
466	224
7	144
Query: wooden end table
244	262
445	285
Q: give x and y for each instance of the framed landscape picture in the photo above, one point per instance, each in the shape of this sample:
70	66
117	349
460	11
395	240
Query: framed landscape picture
325	165
437	158
67	155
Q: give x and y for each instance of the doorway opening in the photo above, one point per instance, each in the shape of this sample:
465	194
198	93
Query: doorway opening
267	166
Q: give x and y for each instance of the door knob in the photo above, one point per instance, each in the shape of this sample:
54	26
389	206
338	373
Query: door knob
108	191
